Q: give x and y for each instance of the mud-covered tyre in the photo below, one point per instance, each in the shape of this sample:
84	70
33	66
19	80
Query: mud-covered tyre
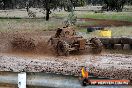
97	45
67	53
62	48
85	82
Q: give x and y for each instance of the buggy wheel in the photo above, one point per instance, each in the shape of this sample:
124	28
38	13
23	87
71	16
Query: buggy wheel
85	82
62	48
97	45
67	53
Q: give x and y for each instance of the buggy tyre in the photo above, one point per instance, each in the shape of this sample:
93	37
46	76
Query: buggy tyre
62	48
85	82
97	45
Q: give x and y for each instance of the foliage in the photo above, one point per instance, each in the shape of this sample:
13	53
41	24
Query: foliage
70	4
129	2
66	4
112	5
71	19
101	2
78	3
47	5
94	2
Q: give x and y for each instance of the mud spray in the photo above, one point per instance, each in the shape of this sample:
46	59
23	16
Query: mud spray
25	44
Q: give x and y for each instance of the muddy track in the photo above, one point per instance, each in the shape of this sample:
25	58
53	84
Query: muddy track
106	23
42	58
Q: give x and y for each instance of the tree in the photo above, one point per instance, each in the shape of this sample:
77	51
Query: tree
129	2
94	2
7	4
116	5
54	4
50	4
68	6
78	3
75	3
47	5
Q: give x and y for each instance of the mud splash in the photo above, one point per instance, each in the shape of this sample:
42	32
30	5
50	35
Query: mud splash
31	43
25	43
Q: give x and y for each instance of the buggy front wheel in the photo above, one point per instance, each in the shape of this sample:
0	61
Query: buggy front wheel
62	48
97	45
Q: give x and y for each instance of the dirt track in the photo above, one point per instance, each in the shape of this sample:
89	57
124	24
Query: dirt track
106	23
42	59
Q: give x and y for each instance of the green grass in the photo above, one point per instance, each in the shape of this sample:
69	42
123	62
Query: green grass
41	24
122	16
121	31
29	24
126	16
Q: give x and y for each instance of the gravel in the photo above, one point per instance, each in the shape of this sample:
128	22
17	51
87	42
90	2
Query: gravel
110	66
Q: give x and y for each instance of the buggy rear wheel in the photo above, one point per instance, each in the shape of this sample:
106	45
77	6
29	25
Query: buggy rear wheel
85	82
62	48
97	45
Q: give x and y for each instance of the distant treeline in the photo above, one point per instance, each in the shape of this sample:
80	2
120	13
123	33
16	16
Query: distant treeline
102	2
67	5
13	4
110	5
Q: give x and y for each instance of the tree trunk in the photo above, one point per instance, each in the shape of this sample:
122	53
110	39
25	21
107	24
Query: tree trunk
4	6
47	14
27	5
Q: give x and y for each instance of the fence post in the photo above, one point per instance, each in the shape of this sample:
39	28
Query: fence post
22	80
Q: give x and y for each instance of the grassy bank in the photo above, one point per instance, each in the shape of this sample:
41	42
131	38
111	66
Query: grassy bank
42	25
29	24
122	16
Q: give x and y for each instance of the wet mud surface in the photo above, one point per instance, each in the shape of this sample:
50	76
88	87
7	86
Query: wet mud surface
42	58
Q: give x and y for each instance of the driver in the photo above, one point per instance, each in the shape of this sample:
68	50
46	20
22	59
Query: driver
58	33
